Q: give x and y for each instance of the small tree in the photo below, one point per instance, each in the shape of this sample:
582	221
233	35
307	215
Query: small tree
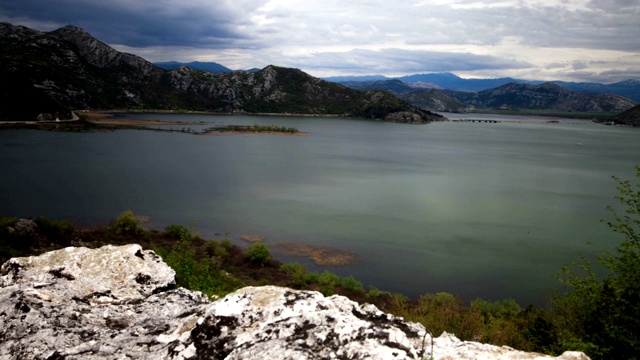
258	253
127	224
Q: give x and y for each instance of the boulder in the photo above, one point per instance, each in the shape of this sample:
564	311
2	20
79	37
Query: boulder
122	302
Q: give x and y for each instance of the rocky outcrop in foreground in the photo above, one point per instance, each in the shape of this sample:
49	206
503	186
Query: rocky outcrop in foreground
121	302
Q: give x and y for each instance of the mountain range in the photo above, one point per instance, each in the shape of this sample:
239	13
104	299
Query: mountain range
55	72
513	95
547	95
450	93
627	88
48	74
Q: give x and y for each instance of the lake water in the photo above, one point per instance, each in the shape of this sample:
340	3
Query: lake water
477	210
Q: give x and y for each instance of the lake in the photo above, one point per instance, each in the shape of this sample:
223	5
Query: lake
474	209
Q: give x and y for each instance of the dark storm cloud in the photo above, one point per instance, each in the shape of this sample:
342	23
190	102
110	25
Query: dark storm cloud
138	23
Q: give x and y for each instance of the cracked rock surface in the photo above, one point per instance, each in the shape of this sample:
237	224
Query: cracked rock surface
121	303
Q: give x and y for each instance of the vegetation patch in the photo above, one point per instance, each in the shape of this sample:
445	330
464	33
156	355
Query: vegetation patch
323	256
268	129
251	238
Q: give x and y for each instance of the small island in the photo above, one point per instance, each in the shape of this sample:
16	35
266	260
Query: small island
262	129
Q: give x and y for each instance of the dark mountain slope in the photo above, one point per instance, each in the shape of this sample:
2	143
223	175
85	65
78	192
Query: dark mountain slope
630	117
72	69
69	69
627	88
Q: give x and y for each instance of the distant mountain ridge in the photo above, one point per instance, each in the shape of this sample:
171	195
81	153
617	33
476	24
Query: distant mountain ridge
512	95
209	66
69	69
543	96
212	67
627	88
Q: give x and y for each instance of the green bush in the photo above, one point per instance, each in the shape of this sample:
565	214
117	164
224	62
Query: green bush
227	245
214	248
258	253
506	309
503	323
177	231
127	224
197	273
373	292
328	279
351	284
297	273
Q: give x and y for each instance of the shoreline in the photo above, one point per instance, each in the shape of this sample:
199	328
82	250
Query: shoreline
109	118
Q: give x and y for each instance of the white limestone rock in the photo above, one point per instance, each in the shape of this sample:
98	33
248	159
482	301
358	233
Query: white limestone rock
275	322
108	274
77	303
120	302
449	347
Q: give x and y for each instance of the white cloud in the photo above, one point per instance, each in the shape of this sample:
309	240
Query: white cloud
549	38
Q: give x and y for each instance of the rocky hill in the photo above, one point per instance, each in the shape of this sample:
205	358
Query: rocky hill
630	117
433	100
69	69
122	302
544	96
514	95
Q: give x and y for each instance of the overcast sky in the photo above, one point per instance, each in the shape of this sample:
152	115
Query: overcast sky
572	40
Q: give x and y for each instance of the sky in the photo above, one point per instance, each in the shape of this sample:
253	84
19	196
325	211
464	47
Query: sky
569	40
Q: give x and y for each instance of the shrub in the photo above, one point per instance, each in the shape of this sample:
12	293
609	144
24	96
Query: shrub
351	284
328	279
227	245
127	224
216	249
177	231
258	253
200	274
373	292
500	325
506	309
298	274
